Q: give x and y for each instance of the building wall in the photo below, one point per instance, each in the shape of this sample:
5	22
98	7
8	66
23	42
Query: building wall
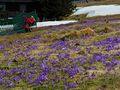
2	7
11	7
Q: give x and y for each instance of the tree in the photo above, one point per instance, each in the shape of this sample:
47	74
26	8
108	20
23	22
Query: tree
54	8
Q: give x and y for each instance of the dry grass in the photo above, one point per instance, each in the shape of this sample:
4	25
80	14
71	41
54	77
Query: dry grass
83	17
98	2
105	29
82	33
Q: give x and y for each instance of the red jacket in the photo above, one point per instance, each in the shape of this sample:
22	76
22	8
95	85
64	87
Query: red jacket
29	20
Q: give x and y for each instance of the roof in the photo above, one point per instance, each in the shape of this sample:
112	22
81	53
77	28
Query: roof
16	0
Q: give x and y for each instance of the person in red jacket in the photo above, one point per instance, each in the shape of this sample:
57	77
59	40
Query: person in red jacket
32	20
26	25
29	21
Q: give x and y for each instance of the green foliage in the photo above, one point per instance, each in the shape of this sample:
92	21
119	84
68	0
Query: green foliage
54	9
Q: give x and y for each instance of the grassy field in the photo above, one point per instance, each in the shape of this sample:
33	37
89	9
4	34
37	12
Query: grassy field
78	56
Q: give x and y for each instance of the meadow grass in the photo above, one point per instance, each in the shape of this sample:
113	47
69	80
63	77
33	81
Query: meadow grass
66	57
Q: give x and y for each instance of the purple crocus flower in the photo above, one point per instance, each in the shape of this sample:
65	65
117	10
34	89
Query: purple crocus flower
54	62
1	47
16	79
118	40
17	42
56	79
114	62
44	66
72	72
70	85
103	42
82	61
110	39
44	72
0	80
93	67
42	78
101	33
10	84
92	76
32	58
